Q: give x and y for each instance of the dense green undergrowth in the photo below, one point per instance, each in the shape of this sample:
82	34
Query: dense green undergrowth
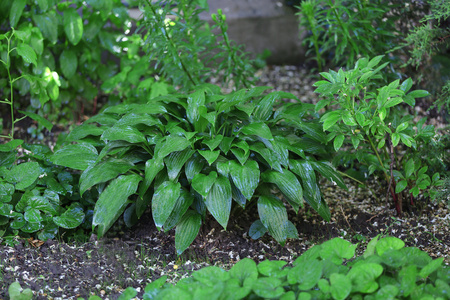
386	270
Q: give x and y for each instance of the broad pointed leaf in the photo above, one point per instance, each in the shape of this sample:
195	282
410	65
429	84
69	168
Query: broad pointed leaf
78	156
187	230
193	166
123	133
23	175
69	63
164	200
175	161
170	144
113	201
265	106
257	230
102	172
181	206
71	218
274	217
46	23
83	131
27	53
210	156
259	129
202	183
288	184
245	177
328	171
16	12
218	200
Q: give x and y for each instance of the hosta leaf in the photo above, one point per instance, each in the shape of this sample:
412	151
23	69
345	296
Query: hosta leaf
245	177
288	184
181	206
274	217
195	101
170	144
193	166
240	154
123	133
213	143
202	183
83	131
71	218
102	172
112	202
175	161
77	156
69	63
259	129
328	171
257	230
187	230
73	25
23	175
268	155
218	200
265	106
132	119
164	200
210	156
311	190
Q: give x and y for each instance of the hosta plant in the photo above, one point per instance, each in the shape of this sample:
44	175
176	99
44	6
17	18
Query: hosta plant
367	117
188	156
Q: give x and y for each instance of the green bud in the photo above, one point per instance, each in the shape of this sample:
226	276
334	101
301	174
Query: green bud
214	17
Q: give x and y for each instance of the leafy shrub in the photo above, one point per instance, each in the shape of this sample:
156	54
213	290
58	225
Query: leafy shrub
37	197
74	51
186	154
367	117
342	31
386	270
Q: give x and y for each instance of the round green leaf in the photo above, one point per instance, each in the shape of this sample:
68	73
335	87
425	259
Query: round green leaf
71	218
24	175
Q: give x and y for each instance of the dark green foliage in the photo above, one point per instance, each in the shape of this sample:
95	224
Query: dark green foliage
386	270
184	155
37	197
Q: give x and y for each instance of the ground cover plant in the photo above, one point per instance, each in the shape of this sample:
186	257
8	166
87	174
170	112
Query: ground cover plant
386	270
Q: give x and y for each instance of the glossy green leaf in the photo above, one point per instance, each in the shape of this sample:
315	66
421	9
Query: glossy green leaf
164	200
33	215
274	217
268	155
245	271
264	108
330	118
338	141
11	145
288	184
409	168
75	156
83	131
170	144
152	168
400	186
23	175
195	101
257	230
132	119
240	154
27	53
71	218
16	12
245	177
102	172
46	23
363	277
193	166
218	201
181	206
69	63
6	192
175	161
73	25
259	129
187	230
123	133
210	156
202	183
327	170
418	94
113	201
213	143
43	4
